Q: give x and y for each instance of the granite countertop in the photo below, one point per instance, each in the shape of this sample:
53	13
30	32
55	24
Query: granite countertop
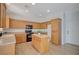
7	39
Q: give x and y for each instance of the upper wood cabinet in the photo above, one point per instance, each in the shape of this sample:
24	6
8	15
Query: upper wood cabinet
22	24
36	25
43	25
17	23
7	21
2	15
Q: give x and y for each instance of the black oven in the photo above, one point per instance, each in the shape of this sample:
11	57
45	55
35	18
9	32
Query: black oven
28	31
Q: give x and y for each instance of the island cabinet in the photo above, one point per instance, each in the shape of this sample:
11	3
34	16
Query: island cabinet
2	15
20	38
56	31
40	42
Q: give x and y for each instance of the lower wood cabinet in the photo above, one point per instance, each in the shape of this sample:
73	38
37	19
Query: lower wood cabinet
20	37
8	49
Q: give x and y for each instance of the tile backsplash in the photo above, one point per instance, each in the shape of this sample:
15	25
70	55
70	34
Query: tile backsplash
1	29
23	30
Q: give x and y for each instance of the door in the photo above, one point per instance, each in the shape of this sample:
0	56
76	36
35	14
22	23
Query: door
49	32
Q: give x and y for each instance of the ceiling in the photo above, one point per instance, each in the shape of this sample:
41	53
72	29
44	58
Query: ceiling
39	12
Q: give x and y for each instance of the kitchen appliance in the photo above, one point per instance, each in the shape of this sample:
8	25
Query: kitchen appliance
1	29
0	34
28	32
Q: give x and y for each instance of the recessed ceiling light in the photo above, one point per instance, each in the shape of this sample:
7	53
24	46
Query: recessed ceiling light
8	3
33	3
40	15
48	10
26	10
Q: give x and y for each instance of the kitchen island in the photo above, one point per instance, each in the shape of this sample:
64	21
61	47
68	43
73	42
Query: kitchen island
40	42
7	44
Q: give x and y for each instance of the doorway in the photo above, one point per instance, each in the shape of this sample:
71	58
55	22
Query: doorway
49	31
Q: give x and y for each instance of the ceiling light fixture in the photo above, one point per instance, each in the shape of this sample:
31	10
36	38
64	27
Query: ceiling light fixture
48	10
40	15
33	3
26	10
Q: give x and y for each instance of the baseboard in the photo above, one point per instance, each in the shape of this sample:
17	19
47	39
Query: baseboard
73	44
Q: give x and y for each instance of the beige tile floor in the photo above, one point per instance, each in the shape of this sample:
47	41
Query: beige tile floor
27	49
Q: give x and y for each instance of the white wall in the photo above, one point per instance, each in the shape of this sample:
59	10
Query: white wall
72	27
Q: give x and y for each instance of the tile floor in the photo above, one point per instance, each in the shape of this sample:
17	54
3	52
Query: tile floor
27	49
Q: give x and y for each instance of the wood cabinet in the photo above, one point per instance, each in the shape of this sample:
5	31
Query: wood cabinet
7	22
36	25
20	37
43	25
2	15
17	23
56	31
21	24
40	42
8	49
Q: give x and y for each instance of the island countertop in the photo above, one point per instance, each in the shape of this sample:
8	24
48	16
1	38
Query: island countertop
7	39
41	35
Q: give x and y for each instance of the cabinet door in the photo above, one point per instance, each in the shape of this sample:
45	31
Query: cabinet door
18	23
3	16
7	21
36	25
43	25
20	38
56	32
55	38
0	14
36	42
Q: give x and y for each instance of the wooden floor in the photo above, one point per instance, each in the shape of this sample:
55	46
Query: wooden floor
27	49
